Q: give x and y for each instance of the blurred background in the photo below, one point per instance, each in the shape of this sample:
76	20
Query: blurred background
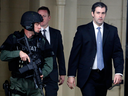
66	15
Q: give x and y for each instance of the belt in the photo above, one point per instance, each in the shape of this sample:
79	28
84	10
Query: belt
17	75
97	70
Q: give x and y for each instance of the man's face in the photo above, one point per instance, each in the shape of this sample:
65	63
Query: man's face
99	15
46	18
37	27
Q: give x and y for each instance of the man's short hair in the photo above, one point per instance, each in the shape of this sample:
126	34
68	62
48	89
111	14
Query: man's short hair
44	8
98	4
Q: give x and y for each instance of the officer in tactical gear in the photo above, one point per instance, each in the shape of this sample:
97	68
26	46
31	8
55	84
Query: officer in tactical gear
20	48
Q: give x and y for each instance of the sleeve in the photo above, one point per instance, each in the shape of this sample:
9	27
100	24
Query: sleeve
60	56
118	54
75	53
48	66
6	55
6	49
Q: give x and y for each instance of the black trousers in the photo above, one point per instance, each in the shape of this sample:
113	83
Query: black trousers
51	87
95	86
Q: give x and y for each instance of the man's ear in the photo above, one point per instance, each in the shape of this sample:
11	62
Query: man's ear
92	14
49	17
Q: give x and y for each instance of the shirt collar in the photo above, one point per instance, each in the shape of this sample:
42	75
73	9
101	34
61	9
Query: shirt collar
47	28
95	26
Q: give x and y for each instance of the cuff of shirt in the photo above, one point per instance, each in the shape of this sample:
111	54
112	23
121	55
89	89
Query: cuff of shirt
119	74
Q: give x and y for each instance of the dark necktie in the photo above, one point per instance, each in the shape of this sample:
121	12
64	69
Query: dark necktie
100	63
44	33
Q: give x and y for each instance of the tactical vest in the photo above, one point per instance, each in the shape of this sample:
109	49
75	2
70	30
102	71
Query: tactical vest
37	47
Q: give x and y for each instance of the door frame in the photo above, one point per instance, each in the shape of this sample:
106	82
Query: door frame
126	58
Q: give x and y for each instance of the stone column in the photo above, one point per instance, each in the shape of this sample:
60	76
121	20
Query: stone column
60	12
60	26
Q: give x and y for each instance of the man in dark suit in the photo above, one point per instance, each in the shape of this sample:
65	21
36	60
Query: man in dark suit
95	45
55	39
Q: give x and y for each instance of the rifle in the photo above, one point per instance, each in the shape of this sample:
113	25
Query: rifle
34	64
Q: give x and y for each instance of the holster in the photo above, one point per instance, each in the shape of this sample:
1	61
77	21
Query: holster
8	91
6	87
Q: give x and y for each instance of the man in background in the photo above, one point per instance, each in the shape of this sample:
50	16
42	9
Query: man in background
55	39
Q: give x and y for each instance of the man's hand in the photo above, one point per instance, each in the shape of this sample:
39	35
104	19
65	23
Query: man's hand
24	56
41	76
71	82
61	79
117	79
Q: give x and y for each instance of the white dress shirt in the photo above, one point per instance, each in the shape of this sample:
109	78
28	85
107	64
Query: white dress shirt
96	31
47	33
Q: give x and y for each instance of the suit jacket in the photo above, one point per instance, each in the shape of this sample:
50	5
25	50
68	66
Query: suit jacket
84	50
57	46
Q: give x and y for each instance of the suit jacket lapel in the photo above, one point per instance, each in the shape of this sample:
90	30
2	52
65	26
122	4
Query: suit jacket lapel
105	33
52	36
92	33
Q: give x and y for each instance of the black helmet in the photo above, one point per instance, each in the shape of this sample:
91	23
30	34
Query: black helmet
29	18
